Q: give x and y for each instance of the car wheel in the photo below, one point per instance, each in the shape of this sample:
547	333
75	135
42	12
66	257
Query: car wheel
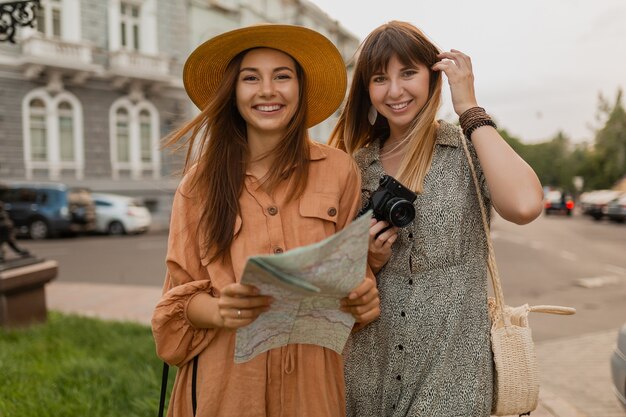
38	229
116	228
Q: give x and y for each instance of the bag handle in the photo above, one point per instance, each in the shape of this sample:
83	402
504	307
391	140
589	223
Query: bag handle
166	368
491	260
194	377
564	311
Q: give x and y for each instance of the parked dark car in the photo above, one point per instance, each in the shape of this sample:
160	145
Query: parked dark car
616	209
50	209
618	367
558	202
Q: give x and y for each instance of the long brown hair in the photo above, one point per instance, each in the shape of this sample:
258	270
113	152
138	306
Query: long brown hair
353	130
217	149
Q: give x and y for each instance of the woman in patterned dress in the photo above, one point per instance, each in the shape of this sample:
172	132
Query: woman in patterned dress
428	354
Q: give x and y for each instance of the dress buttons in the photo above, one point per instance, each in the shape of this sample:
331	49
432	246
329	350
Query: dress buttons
400	347
278	250
398	377
403	314
272	210
410	282
411	235
332	211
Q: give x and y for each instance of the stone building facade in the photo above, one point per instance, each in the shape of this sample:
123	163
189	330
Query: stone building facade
87	95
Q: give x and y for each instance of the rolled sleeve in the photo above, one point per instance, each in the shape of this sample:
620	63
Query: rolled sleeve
177	340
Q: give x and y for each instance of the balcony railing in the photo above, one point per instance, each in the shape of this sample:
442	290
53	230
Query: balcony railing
137	65
56	52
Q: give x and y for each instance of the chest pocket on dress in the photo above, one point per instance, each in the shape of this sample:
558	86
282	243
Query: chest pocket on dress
320	213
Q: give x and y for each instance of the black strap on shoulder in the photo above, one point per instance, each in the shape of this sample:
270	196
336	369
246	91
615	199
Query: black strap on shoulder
163	388
194	377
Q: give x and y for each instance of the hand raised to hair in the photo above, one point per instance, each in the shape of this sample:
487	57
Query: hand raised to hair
458	68
379	250
239	305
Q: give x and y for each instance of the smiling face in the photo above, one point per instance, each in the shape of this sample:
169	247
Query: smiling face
399	93
267	91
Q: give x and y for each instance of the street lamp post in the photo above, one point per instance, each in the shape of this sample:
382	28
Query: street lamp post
14	14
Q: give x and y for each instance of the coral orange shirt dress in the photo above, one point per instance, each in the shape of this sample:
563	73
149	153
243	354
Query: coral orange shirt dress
294	380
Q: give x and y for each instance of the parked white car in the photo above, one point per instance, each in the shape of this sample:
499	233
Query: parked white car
119	214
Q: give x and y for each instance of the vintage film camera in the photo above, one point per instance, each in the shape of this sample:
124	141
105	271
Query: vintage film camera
392	202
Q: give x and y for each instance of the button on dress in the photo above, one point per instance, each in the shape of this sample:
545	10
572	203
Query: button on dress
429	352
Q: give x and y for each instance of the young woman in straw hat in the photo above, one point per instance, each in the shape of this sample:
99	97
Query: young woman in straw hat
428	354
254	183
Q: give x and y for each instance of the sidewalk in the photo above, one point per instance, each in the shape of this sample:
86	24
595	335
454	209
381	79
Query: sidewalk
136	303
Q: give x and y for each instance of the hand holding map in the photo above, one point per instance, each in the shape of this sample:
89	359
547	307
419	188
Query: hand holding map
306	284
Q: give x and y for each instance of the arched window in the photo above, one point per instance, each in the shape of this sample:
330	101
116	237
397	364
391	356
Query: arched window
38	133
145	136
53	135
134	139
66	131
122	135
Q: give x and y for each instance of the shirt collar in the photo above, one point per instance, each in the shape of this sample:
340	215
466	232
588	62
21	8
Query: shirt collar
448	134
316	153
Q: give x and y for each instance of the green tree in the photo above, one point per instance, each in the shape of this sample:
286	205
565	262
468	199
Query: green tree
550	159
609	159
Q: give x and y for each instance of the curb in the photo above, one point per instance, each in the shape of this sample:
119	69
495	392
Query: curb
556	406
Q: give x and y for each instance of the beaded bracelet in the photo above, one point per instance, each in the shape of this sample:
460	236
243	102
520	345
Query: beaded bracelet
473	118
470	130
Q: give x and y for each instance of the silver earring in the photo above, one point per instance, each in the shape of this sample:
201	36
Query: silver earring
372	114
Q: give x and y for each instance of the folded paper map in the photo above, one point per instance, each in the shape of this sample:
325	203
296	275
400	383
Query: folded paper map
307	284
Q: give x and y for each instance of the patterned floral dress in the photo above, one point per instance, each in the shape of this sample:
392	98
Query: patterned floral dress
429	353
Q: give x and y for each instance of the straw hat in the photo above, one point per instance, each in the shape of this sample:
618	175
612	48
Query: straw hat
320	60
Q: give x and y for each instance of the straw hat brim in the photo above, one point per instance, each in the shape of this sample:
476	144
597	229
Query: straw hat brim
323	66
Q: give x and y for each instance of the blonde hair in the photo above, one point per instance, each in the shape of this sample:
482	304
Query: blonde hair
353	130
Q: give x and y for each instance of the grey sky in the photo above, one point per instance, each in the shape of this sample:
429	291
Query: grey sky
539	65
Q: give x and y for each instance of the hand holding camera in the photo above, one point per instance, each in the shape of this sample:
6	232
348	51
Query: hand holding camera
392	202
392	206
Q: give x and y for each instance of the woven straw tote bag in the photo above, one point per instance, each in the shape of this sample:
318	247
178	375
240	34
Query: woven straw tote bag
516	371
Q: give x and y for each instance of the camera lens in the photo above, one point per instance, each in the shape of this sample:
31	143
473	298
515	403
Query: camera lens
399	212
